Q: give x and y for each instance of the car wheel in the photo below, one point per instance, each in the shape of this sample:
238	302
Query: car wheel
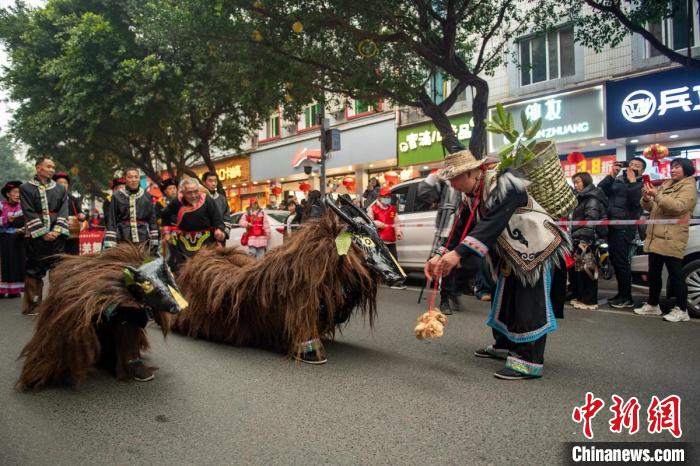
691	271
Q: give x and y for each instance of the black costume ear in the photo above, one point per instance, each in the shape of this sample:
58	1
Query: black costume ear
360	212
346	218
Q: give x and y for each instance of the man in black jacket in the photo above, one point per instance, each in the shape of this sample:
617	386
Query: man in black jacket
624	193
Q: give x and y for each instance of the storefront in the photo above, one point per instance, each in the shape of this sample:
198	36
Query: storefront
234	174
363	148
575	121
657	108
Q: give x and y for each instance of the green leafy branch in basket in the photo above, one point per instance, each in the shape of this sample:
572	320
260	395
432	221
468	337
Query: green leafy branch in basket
519	149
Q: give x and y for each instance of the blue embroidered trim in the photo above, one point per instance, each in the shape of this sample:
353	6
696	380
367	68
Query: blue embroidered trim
549	326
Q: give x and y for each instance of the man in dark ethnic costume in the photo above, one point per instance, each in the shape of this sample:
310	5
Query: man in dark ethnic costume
75	214
115	185
97	315
197	220
167	225
132	216
45	208
523	243
211	182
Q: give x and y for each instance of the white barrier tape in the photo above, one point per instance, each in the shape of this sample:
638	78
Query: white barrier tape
641	221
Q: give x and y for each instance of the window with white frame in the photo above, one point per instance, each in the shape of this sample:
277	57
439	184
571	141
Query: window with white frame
359	107
673	31
273	127
547	56
309	118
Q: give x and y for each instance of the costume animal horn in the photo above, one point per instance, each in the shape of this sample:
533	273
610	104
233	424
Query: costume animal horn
360	212
330	203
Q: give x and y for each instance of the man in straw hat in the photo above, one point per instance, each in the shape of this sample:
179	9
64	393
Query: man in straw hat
499	221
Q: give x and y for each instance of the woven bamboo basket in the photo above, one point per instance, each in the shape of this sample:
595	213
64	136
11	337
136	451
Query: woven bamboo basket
549	187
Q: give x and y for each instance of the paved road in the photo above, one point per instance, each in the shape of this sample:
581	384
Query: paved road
383	398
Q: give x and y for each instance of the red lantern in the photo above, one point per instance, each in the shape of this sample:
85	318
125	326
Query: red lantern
304	187
349	183
276	190
575	157
391	178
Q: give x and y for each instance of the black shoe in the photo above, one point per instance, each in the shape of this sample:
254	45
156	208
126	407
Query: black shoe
492	354
509	374
312	357
614	298
621	303
140	372
446	306
456	303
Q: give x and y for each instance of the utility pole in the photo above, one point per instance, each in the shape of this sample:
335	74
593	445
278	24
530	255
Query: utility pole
322	118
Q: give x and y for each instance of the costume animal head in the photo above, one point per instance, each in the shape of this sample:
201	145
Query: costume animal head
377	256
152	284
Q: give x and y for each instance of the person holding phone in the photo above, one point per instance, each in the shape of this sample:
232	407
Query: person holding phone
674	199
623	189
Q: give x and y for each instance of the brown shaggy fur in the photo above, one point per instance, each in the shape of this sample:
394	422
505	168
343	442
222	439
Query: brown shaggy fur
276	302
65	346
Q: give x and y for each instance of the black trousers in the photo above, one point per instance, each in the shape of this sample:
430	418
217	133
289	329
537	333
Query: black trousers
532	351
586	289
674	266
41	255
620	246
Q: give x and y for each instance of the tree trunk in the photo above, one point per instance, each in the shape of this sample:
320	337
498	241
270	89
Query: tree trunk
442	123
480	109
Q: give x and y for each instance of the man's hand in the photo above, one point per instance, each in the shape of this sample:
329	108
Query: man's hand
379	224
631	175
449	261
219	235
399	235
50	236
615	170
431	266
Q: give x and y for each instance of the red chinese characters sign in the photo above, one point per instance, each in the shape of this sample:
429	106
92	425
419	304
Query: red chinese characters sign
91	241
592	165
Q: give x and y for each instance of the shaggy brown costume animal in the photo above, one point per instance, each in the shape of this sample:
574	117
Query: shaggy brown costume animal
70	339
300	291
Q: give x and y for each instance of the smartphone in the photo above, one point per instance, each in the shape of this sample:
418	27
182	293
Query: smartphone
623	164
646	179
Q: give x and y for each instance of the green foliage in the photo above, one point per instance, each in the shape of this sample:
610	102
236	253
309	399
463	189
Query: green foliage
521	143
599	28
11	168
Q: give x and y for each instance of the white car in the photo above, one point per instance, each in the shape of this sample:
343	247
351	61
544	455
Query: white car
418	225
277	219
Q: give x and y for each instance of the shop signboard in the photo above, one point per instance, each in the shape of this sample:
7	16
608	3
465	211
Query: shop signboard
566	117
419	144
593	165
653	103
230	170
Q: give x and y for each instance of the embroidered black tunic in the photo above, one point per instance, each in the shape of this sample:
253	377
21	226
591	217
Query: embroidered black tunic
195	227
131	217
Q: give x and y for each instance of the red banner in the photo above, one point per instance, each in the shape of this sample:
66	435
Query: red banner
592	165
91	241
